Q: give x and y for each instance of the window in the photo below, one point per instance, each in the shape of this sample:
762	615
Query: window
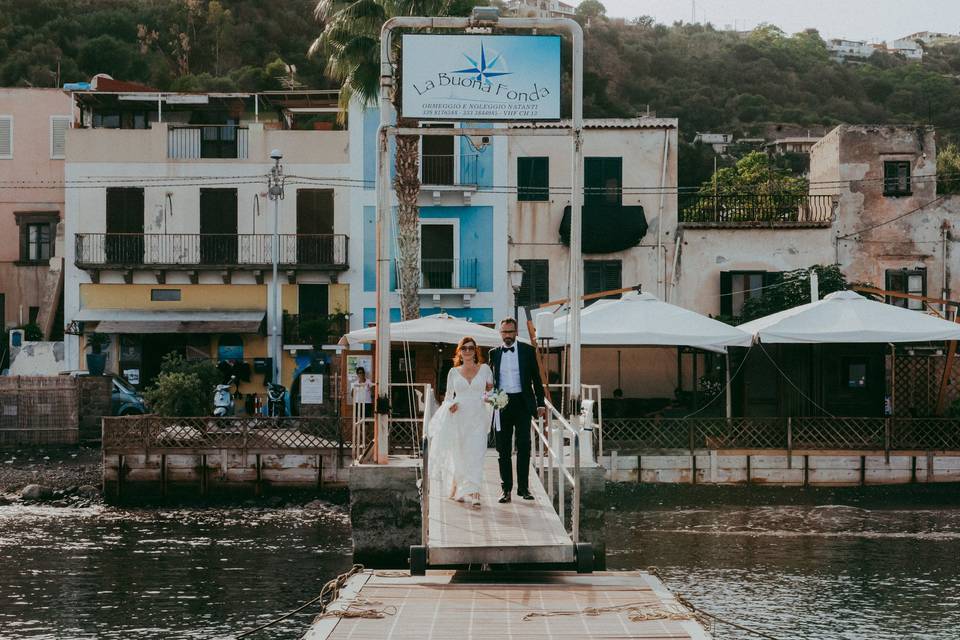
438	166
438	254
37	230
120	120
535	287
533	181
896	178
601	275
603	181
856	374
32	314
165	295
736	287
907	281
6	137
58	136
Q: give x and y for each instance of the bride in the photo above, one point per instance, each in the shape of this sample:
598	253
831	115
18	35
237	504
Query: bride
458	430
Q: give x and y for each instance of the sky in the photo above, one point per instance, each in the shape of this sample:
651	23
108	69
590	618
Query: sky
872	20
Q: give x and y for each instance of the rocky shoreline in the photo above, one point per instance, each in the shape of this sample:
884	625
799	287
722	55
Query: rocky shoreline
67	477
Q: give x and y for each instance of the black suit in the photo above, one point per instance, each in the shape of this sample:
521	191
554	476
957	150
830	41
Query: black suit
515	417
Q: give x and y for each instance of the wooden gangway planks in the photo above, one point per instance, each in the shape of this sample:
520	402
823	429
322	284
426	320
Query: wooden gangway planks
523	531
465	605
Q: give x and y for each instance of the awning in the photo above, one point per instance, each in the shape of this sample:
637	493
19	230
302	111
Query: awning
440	327
129	321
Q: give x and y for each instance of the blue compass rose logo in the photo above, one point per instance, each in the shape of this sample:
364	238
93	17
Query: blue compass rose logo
484	69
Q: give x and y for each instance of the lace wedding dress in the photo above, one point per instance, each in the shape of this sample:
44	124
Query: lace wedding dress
458	441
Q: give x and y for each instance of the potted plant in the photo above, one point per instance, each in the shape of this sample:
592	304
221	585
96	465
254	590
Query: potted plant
96	359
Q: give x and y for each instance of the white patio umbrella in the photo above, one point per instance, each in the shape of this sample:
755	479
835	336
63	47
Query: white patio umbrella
846	316
439	327
642	319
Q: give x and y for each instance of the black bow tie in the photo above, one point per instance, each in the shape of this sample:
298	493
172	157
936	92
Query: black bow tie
510	349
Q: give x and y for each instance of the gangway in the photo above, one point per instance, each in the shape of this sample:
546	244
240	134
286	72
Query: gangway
526	532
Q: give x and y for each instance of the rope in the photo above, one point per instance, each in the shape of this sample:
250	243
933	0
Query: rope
362	608
636	612
329	593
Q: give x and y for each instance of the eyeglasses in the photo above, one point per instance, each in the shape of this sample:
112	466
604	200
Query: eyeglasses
468	347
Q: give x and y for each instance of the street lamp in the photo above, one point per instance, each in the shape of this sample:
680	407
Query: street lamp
516	281
275	193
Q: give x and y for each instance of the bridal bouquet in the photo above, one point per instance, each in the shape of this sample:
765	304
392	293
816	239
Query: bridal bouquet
496	398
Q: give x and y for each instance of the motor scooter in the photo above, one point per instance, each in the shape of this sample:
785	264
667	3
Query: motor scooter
223	399
276	400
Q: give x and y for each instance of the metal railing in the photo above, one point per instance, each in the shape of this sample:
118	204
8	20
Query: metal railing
406	431
817	433
774	209
550	457
327	251
194	142
442	170
132	434
442	273
589	393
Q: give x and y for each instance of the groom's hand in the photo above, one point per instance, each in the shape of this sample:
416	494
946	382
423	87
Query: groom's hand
454	407
541	412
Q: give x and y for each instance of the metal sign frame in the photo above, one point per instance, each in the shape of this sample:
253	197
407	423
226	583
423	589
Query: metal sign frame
389	130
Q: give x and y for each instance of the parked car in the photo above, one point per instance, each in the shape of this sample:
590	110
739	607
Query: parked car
124	399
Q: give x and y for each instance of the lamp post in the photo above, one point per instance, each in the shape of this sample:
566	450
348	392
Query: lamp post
276	194
516	281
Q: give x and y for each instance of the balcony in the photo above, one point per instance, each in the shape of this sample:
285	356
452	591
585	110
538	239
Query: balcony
445	275
756	211
195	251
314	329
207	141
440	174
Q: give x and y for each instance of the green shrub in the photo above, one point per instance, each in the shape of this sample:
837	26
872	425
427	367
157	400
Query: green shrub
184	387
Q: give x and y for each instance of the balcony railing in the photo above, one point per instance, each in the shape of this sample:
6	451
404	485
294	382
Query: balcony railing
207	141
445	274
441	170
754	209
211	250
314	328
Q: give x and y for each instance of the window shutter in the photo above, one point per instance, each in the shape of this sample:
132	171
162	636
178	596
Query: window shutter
612	275
592	277
541	283
726	294
6	137
58	136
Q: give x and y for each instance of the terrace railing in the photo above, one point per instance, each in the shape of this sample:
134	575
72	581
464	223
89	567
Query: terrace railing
781	209
813	433
198	250
207	141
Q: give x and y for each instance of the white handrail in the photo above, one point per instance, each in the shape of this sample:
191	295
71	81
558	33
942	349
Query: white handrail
551	452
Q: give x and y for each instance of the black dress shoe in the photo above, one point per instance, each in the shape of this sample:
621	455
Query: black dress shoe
526	495
504	499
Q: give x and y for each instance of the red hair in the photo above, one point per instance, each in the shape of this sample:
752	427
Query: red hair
458	357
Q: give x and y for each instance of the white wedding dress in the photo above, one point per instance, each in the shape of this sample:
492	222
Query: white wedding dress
458	441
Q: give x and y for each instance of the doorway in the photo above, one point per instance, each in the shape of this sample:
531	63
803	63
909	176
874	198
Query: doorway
438	255
315	226
124	238
438	161
218	226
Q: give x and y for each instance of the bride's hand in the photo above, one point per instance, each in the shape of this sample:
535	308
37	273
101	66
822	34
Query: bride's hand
454	407
489	386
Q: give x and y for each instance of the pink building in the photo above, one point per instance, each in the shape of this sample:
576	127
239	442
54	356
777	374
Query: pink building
33	124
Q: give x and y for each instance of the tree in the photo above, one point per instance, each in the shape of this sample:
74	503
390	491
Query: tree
184	387
351	41
948	169
754	173
591	9
793	289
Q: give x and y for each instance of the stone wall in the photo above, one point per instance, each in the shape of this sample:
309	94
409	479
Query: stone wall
95	402
385	513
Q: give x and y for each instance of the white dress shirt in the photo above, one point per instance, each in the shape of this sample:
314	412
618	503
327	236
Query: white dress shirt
361	392
510	370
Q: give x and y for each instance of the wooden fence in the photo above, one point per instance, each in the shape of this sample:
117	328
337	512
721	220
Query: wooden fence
38	410
818	433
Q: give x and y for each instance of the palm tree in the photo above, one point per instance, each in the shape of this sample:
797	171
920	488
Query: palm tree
350	40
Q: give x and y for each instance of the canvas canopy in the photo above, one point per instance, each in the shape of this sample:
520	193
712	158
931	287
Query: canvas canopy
436	328
642	319
846	316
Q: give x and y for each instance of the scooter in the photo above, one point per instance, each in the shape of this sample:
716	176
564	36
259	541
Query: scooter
276	400
223	399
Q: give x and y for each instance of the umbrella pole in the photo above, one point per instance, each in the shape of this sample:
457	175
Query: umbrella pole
728	393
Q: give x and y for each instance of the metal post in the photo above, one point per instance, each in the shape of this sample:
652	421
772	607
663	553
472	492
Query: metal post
576	218
276	194
381	433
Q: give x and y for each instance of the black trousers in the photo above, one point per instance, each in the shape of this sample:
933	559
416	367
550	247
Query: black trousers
514	422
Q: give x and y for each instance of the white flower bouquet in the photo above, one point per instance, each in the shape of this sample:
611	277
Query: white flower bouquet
496	398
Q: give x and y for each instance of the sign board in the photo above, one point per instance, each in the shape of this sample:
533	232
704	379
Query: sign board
132	376
480	77
311	388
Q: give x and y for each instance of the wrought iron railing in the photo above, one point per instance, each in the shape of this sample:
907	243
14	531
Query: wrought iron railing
445	274
327	251
314	328
442	170
819	433
153	433
774	209
207	141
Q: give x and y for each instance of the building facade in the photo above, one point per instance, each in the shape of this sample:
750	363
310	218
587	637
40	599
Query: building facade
33	128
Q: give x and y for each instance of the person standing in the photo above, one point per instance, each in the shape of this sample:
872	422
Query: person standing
515	371
363	393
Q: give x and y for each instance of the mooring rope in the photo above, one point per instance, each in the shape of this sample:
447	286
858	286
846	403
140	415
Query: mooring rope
329	593
636	612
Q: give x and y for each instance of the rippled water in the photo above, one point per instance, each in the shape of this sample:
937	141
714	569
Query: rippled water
105	573
791	571
805	572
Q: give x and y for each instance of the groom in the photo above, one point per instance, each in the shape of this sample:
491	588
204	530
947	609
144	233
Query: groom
515	371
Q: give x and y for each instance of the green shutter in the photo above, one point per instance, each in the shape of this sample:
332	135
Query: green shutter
726	294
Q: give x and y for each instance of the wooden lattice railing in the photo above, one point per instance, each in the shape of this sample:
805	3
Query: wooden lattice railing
153	433
821	433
